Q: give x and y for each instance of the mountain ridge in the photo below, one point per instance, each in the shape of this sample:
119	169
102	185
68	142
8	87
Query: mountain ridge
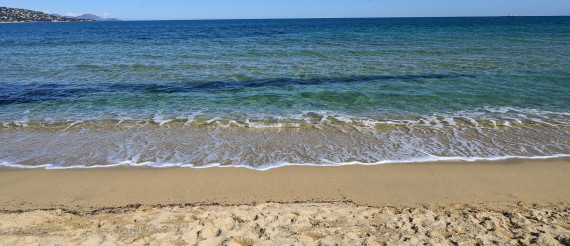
15	15
89	16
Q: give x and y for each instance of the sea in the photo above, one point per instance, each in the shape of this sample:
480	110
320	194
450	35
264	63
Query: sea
261	94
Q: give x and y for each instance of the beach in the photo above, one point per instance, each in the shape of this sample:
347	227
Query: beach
505	202
371	131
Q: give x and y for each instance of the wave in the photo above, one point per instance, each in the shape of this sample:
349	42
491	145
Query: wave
263	141
165	143
486	117
266	167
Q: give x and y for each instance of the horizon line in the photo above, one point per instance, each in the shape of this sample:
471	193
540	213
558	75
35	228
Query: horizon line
301	18
384	17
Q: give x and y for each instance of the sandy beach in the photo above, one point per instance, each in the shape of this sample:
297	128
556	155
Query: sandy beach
508	202
342	123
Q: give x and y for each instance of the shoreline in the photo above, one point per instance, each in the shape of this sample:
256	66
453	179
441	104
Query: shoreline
127	165
507	182
258	148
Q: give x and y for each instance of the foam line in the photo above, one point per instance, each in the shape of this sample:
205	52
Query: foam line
266	167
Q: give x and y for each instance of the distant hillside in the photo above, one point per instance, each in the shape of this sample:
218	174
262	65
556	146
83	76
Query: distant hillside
26	15
89	16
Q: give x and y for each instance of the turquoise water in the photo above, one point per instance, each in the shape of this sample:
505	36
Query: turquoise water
500	87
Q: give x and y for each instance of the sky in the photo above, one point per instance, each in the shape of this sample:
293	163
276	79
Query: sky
261	9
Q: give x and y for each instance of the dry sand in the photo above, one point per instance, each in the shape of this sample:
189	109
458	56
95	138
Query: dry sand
513	202
287	224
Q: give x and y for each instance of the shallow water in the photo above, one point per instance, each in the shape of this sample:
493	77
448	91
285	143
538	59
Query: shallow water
262	93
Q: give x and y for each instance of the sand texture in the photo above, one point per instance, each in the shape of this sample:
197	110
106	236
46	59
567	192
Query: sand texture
483	203
288	224
540	181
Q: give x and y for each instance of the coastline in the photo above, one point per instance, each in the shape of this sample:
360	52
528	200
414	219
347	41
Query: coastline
509	181
285	132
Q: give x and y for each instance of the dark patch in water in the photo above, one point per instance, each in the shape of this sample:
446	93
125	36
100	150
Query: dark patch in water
13	94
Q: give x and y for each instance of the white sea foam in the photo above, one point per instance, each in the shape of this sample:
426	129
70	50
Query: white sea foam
508	117
158	118
72	124
215	119
23	122
483	117
261	125
266	167
192	117
335	139
450	121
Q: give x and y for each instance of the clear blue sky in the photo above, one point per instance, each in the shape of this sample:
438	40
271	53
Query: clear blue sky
245	9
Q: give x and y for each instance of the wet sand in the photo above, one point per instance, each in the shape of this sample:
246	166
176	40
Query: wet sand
535	181
509	202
